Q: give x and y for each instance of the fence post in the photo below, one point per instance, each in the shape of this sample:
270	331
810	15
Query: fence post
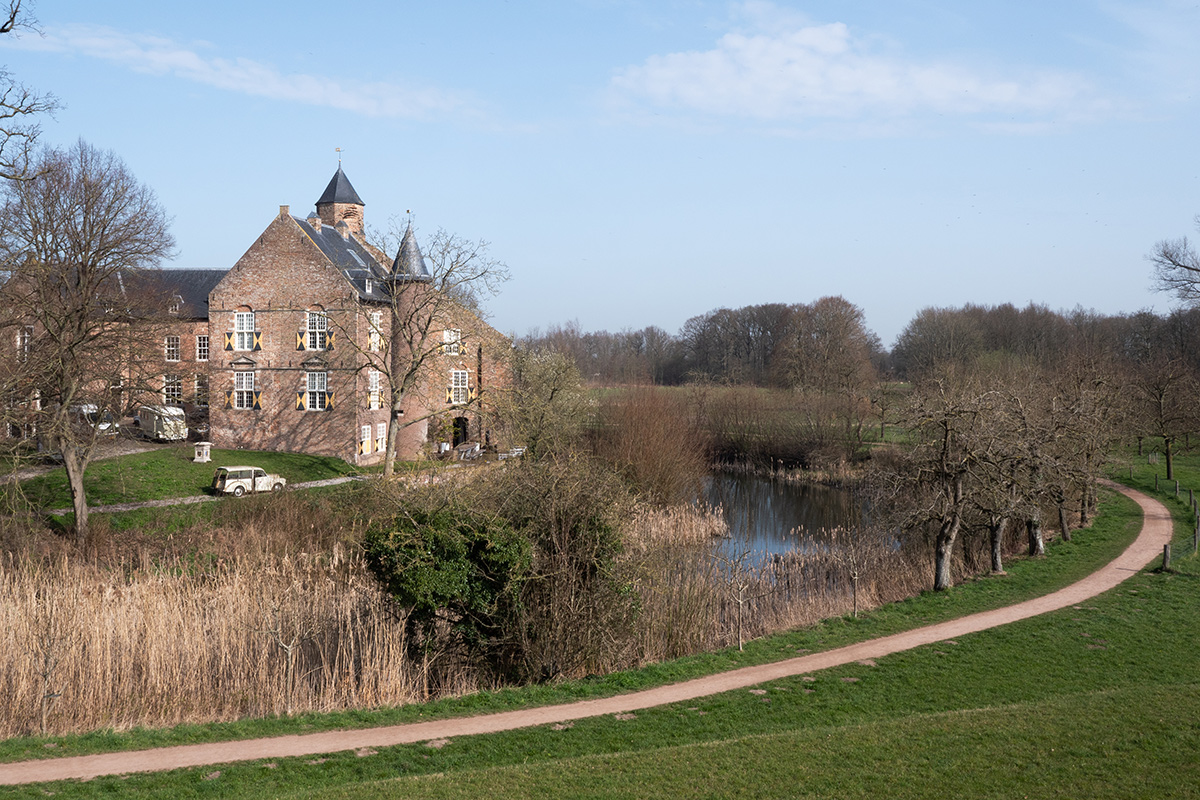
1177	488
1196	542
1156	481
1166	557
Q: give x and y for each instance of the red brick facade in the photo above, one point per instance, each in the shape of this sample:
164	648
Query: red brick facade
291	341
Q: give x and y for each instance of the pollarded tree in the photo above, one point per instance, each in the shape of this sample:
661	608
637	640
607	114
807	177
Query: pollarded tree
74	240
953	424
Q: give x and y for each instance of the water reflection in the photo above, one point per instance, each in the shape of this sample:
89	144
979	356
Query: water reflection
762	514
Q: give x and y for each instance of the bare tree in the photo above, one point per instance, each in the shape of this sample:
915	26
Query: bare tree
19	105
1177	268
431	296
75	240
952	421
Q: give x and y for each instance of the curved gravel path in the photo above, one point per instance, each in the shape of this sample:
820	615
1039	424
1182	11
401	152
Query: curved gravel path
1156	532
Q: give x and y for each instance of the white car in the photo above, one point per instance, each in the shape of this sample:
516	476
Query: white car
237	481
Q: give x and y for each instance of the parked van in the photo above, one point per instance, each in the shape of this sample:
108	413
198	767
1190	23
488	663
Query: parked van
92	416
238	481
164	423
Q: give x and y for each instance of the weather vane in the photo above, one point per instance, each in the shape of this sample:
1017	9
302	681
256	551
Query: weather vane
339	152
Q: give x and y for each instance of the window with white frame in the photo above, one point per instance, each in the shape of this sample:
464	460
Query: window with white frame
200	393
375	335
380	435
176	304
374	393
243	390
317	391
318	330
451	337
459	386
172	391
365	437
172	348
24	343
202	347
243	330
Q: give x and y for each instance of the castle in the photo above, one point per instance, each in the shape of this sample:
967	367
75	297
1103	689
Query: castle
291	349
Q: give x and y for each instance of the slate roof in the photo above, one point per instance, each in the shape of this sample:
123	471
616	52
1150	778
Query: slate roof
339	190
190	285
409	263
349	256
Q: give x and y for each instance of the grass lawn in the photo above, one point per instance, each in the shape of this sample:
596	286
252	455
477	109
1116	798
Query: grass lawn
1095	701
170	472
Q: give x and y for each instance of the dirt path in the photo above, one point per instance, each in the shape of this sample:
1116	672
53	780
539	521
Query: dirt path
1156	531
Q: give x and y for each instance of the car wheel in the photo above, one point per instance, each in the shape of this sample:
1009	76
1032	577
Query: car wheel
277	487
238	491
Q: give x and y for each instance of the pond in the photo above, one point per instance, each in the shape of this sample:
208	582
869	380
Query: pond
766	517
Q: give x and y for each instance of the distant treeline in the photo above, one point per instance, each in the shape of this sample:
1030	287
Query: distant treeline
826	344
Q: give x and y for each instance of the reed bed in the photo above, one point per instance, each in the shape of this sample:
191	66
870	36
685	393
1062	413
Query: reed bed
88	648
693	597
272	611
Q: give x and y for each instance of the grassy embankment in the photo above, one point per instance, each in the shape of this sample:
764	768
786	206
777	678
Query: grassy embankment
161	474
1093	701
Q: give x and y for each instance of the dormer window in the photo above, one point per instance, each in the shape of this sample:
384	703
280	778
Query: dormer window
176	304
368	286
451	340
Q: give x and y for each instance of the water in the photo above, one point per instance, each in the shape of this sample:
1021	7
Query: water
767	517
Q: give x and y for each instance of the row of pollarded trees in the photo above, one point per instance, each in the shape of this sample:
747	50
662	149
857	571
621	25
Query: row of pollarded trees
998	447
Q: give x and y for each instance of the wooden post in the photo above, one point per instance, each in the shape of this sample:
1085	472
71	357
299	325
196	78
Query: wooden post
1177	488
1166	557
1156	481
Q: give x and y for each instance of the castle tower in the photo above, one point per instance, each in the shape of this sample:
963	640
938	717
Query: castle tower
340	203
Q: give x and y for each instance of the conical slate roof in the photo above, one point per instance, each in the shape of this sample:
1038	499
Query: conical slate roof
339	190
409	263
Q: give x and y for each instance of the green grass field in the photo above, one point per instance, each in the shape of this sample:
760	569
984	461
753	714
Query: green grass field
170	472
1096	701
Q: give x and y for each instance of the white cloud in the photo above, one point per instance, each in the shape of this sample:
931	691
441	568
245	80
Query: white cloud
159	56
785	69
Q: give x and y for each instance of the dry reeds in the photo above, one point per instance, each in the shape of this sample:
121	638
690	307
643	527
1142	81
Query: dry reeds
192	639
695	598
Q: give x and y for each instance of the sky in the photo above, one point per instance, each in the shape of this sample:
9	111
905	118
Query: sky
641	162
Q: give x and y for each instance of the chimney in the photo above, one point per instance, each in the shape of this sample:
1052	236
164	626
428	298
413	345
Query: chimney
343	229
283	210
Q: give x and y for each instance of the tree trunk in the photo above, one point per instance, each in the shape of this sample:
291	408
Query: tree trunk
75	464
996	532
1085	505
1064	524
394	425
943	550
1033	526
1167	441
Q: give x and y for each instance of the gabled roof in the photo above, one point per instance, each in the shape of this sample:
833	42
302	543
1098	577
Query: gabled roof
347	253
409	263
339	190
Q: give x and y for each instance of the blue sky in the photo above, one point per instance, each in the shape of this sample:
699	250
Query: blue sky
638	163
